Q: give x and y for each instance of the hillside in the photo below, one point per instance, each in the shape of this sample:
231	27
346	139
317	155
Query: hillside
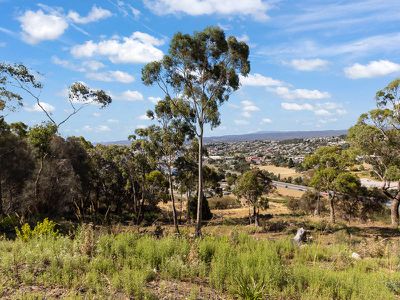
262	135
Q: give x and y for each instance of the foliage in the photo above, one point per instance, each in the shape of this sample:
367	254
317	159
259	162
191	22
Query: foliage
122	265
223	203
252	185
206	212
46	228
197	76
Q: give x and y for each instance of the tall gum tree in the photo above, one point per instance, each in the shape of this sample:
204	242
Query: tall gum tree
376	137
198	74
167	141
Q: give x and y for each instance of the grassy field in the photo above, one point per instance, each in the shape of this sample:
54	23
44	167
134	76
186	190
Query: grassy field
283	171
233	260
94	264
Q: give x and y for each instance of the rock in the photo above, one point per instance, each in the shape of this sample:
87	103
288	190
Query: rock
355	256
300	237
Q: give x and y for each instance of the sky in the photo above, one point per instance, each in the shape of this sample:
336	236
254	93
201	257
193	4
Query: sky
315	65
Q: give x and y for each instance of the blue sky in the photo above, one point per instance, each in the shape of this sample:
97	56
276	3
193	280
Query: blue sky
314	64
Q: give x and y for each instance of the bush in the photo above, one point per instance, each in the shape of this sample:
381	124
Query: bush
223	203
307	203
45	228
206	212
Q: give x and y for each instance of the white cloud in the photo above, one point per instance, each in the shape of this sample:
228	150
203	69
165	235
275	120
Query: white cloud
36	108
143	117
241	122
95	14
374	68
154	99
296	106
138	48
319	109
100	128
253	8
130	95
266	121
96	114
141	126
308	64
286	93
91	65
243	38
259	80
111	76
39	26
248	108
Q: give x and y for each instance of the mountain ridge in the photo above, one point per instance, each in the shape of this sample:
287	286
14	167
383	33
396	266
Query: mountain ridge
261	135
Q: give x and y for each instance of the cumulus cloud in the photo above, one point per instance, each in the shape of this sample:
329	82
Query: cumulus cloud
292	94
253	8
95	14
36	108
308	64
129	95
319	109
111	76
99	128
248	108
259	80
37	26
91	65
296	106
374	68
113	121
138	48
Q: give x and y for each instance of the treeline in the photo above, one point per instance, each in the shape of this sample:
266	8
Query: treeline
44	175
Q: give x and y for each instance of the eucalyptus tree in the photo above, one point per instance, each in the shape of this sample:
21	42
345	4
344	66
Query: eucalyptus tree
197	75
16	166
15	78
166	141
330	175
376	137
252	185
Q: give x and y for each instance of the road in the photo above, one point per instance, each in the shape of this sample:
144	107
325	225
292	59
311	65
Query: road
291	186
364	182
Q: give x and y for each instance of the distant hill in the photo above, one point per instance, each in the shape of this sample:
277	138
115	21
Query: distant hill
274	135
262	135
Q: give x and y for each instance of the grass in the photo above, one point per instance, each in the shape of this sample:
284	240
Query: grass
282	171
94	265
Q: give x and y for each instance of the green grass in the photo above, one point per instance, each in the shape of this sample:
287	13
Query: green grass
96	265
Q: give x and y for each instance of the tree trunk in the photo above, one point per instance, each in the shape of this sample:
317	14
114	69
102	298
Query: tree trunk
200	185
38	178
171	187
317	207
181	213
188	207
1	199
332	208
394	211
255	216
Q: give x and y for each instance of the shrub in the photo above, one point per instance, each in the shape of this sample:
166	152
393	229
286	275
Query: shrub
206	212
307	203
45	228
223	203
